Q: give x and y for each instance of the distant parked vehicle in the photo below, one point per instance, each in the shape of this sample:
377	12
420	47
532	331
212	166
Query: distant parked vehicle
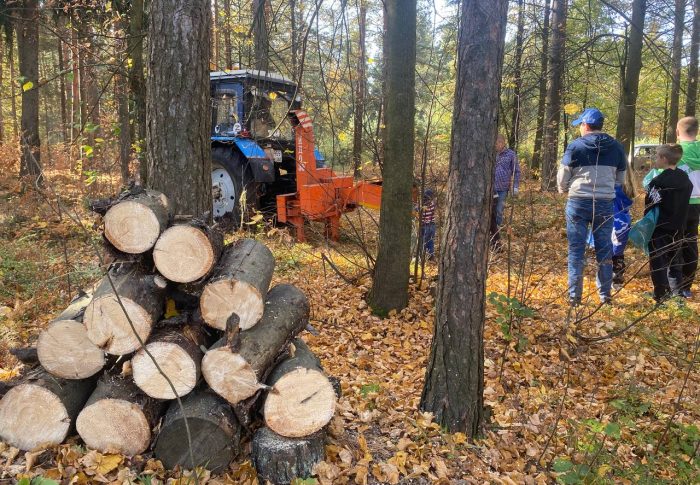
644	157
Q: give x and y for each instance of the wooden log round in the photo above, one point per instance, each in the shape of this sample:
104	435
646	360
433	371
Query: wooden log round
238	285
133	224
213	427
178	354
65	350
187	252
41	409
236	372
280	460
118	417
302	400
141	295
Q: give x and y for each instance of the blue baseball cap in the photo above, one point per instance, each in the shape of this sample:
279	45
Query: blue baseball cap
590	116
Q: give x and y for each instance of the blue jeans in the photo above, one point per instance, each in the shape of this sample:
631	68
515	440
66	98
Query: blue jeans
428	235
500	206
580	214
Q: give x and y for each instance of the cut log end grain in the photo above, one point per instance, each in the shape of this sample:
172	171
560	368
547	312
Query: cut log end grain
184	254
32	416
301	403
174	361
108	327
65	350
225	297
114	426
132	227
229	375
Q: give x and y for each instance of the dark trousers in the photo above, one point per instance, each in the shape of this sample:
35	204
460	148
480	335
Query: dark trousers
428	236
666	263
619	269
690	246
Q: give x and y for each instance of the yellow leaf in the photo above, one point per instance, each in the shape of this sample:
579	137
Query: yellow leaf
27	86
459	438
571	108
108	463
603	470
170	309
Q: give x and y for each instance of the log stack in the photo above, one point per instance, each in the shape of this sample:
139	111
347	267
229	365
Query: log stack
134	364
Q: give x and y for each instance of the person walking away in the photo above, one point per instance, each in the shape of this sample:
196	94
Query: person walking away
670	193
591	167
427	220
506	174
687	132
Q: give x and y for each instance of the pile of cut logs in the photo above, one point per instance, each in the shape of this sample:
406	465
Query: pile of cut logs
179	349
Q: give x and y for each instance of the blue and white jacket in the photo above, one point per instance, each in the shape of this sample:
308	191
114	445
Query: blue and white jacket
591	167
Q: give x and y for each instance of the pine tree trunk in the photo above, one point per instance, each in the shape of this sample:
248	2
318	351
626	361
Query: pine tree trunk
179	106
13	90
361	82
62	86
2	67
295	38
75	86
692	92
121	93
260	37
227	34
391	272
454	379
517	102
678	24
137	82
557	62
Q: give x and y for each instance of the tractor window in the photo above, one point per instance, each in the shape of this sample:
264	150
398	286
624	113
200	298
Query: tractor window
226	122
268	115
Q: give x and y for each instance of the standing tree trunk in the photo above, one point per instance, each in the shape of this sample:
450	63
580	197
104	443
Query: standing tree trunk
692	93
554	88
2	67
121	92
537	152
62	84
294	37
454	380
628	99
517	102
390	285
178	105
360	94
27	26
137	83
262	43
215	35
227	34
75	88
13	90
679	18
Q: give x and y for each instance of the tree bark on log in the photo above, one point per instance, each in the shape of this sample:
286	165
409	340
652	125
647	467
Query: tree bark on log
41	409
65	350
187	252
118	417
238	285
76	308
213	427
135	222
141	295
236	371
302	400
179	356
280	460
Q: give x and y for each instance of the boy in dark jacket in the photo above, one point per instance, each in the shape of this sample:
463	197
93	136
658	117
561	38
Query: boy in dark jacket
669	193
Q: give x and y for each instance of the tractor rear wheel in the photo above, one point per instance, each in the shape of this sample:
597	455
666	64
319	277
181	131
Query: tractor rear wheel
233	187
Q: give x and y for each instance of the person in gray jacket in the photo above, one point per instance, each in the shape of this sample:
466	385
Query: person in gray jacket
590	169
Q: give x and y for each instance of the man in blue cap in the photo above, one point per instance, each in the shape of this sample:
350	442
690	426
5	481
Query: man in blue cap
592	166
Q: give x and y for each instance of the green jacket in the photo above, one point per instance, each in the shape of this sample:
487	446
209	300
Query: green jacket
690	163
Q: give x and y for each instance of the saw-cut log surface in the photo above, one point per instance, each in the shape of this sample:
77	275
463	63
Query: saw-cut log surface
187	252
141	295
302	400
118	417
134	224
280	460
178	354
236	371
65	350
214	430
238	285
40	411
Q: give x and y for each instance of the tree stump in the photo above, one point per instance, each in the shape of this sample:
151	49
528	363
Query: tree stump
213	427
235	371
280	460
238	285
41	409
118	417
141	295
178	354
65	350
134	223
302	400
187	252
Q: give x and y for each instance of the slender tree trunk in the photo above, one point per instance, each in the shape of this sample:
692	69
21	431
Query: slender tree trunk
178	107
628	99
121	94
75	86
137	82
678	24
62	87
360	93
390	285
454	380
261	41
227	34
544	60
294	37
557	64
215	35
2	67
692	93
13	90
517	102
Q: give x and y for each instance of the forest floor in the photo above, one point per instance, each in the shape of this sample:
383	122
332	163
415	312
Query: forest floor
572	397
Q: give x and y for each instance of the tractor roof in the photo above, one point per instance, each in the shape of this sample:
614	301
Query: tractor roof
253	74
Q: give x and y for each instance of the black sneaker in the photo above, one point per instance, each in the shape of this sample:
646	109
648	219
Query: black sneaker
606	300
574	301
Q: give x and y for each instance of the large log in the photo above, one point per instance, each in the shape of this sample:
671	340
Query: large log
118	417
238	285
134	223
178	354
65	350
279	460
214	431
41	409
140	294
187	252
302	399
236	371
